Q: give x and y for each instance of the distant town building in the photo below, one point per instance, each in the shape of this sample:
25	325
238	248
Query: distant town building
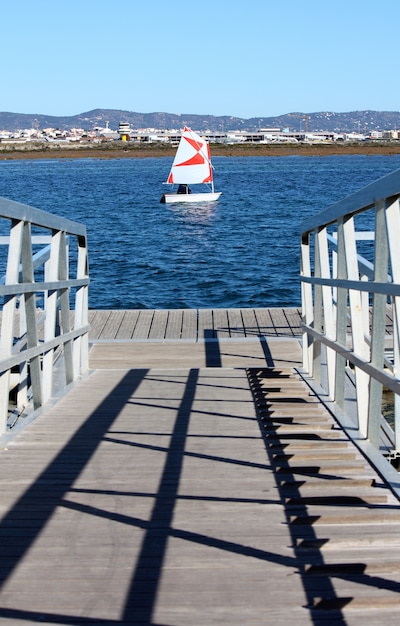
124	131
172	136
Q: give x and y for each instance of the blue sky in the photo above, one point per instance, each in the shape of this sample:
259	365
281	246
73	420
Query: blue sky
253	58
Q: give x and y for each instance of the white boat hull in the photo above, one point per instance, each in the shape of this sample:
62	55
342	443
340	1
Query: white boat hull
169	198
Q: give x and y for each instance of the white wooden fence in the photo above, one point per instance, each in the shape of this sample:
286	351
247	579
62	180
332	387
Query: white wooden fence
45	306
350	290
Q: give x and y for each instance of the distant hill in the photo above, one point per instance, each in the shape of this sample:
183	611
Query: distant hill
355	121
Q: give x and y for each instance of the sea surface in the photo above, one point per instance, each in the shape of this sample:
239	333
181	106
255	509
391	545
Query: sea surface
242	251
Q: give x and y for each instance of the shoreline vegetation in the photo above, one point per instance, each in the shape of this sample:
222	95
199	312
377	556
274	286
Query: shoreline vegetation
119	150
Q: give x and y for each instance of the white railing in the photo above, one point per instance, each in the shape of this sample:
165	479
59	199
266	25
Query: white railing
351	304
45	307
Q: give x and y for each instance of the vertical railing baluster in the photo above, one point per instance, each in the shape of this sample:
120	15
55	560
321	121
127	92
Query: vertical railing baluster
327	309
378	324
307	313
393	234
30	312
22	388
65	319
52	275
81	344
318	312
360	346
341	318
8	315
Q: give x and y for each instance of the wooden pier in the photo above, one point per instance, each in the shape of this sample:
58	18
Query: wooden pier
193	477
193	324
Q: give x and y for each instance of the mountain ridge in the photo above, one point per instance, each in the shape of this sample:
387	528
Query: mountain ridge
353	121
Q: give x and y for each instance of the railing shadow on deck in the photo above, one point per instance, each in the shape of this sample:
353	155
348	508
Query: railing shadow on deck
63	472
286	476
323	601
69	463
213	349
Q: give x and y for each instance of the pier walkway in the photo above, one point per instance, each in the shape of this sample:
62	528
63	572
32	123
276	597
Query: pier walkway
194	477
193	324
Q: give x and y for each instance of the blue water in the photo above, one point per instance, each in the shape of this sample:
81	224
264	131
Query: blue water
242	251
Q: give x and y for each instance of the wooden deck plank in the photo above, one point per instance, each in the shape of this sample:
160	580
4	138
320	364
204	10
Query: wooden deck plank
293	318
143	324
97	320
280	322
220	323
189	324
205	324
235	322
112	324
264	322
128	324
389	320
250	323
174	326
159	325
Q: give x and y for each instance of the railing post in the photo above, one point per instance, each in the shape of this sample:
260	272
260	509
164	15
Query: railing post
81	344
30	312
318	317
360	346
327	309
307	304
8	316
22	388
378	324
393	233
341	318
51	297
64	301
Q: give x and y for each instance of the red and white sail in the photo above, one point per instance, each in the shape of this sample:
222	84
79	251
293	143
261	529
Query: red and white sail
192	163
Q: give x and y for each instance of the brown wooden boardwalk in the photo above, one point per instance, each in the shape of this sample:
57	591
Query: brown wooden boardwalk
194	483
194	324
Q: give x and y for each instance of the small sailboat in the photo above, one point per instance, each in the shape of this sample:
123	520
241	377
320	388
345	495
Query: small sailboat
191	166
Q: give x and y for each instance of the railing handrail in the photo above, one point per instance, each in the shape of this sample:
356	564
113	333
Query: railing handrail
363	199
47	332
23	212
